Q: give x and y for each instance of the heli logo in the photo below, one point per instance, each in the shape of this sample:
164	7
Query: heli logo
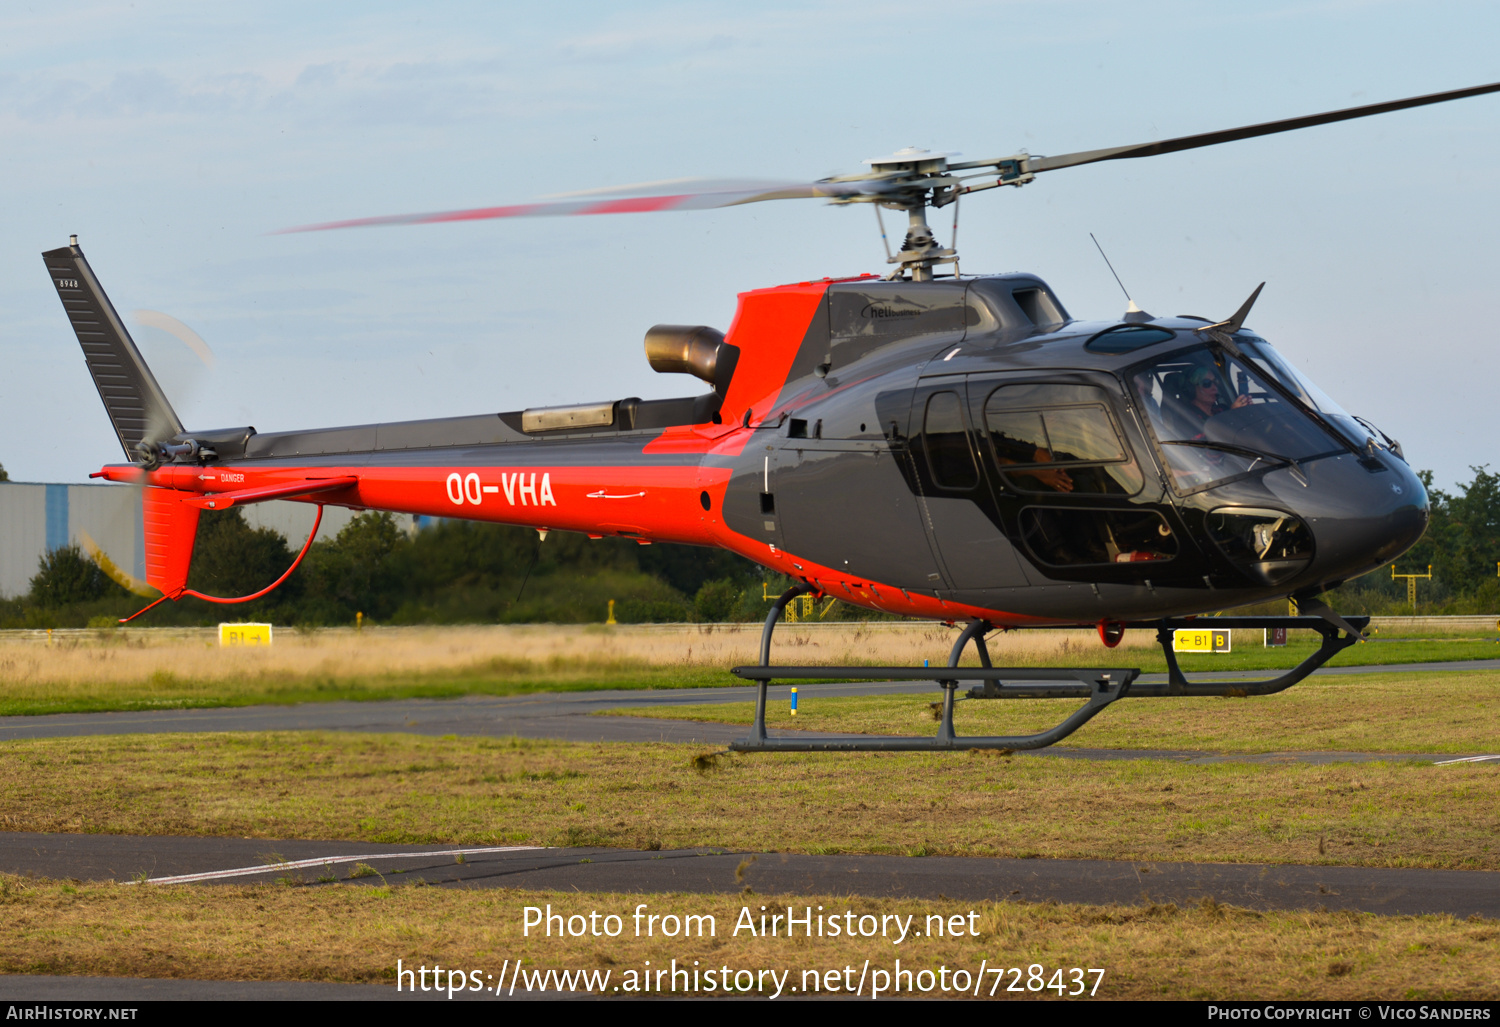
520	489
880	312
67	283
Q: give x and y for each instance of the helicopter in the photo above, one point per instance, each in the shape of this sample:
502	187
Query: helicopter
928	443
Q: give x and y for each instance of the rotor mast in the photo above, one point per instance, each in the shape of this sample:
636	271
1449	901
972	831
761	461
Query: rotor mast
919	178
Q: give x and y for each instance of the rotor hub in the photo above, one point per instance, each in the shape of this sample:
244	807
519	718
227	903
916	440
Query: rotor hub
913	160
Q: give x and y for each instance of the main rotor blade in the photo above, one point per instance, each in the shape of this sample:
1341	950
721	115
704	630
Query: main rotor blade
682	194
1068	160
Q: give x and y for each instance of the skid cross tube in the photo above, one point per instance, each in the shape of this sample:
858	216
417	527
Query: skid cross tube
758	729
1098	686
1334	641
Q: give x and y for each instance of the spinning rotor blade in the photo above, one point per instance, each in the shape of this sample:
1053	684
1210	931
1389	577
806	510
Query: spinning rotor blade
679	194
1068	160
169	324
161	423
910	180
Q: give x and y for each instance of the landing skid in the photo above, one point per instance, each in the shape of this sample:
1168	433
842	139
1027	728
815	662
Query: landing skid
1098	687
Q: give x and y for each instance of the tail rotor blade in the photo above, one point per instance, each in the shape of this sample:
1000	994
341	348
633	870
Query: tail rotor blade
169	324
174	370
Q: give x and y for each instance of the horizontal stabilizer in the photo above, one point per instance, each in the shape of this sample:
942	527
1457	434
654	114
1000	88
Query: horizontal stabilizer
306	487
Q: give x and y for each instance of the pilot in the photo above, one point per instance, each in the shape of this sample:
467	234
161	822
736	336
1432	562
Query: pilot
1203	398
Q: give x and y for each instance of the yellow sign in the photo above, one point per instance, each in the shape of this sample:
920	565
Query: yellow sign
1201	640
244	634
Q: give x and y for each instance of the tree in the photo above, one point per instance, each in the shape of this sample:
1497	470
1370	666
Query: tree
230	558
1472	544
689	568
354	573
3	475
65	575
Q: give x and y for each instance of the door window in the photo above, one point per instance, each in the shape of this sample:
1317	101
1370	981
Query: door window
1073	536
1058	438
947	442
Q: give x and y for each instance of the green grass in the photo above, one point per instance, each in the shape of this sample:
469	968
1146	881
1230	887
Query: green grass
403	788
165	690
1249	654
1454	712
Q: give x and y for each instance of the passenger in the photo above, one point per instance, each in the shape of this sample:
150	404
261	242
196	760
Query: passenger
1054	478
1010	451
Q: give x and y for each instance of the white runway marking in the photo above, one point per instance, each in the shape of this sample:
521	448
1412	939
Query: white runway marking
302	864
1466	759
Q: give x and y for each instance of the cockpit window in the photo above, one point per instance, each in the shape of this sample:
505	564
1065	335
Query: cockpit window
1127	338
1058	438
1217	418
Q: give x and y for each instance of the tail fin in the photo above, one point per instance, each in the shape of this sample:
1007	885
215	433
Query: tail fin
171	527
136	405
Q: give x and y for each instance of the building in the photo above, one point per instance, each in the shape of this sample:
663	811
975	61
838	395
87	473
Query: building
36	518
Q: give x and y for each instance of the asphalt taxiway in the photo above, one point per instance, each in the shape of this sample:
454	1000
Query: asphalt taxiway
147	861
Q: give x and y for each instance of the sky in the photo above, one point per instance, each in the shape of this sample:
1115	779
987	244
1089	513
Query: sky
175	138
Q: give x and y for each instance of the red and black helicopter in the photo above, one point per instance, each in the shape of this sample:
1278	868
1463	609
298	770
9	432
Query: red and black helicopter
936	445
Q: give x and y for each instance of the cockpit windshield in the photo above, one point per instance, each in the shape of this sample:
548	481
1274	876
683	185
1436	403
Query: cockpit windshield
1274	364
1217	417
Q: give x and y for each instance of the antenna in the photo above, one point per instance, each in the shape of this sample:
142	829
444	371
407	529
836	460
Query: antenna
1113	272
1131	308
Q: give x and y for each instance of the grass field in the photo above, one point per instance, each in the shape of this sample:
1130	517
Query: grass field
402	788
111	670
337	932
1453	712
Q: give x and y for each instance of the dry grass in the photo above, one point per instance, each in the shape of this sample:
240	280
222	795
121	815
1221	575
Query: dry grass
357	933
119	657
1452	712
134	670
401	788
134	658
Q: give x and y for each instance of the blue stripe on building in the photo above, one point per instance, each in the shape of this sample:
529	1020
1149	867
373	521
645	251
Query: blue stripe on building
57	516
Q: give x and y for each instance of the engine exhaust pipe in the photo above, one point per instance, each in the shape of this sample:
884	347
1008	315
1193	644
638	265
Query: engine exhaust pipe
692	349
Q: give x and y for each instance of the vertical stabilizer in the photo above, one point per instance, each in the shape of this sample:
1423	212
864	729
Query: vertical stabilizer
137	407
171	527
